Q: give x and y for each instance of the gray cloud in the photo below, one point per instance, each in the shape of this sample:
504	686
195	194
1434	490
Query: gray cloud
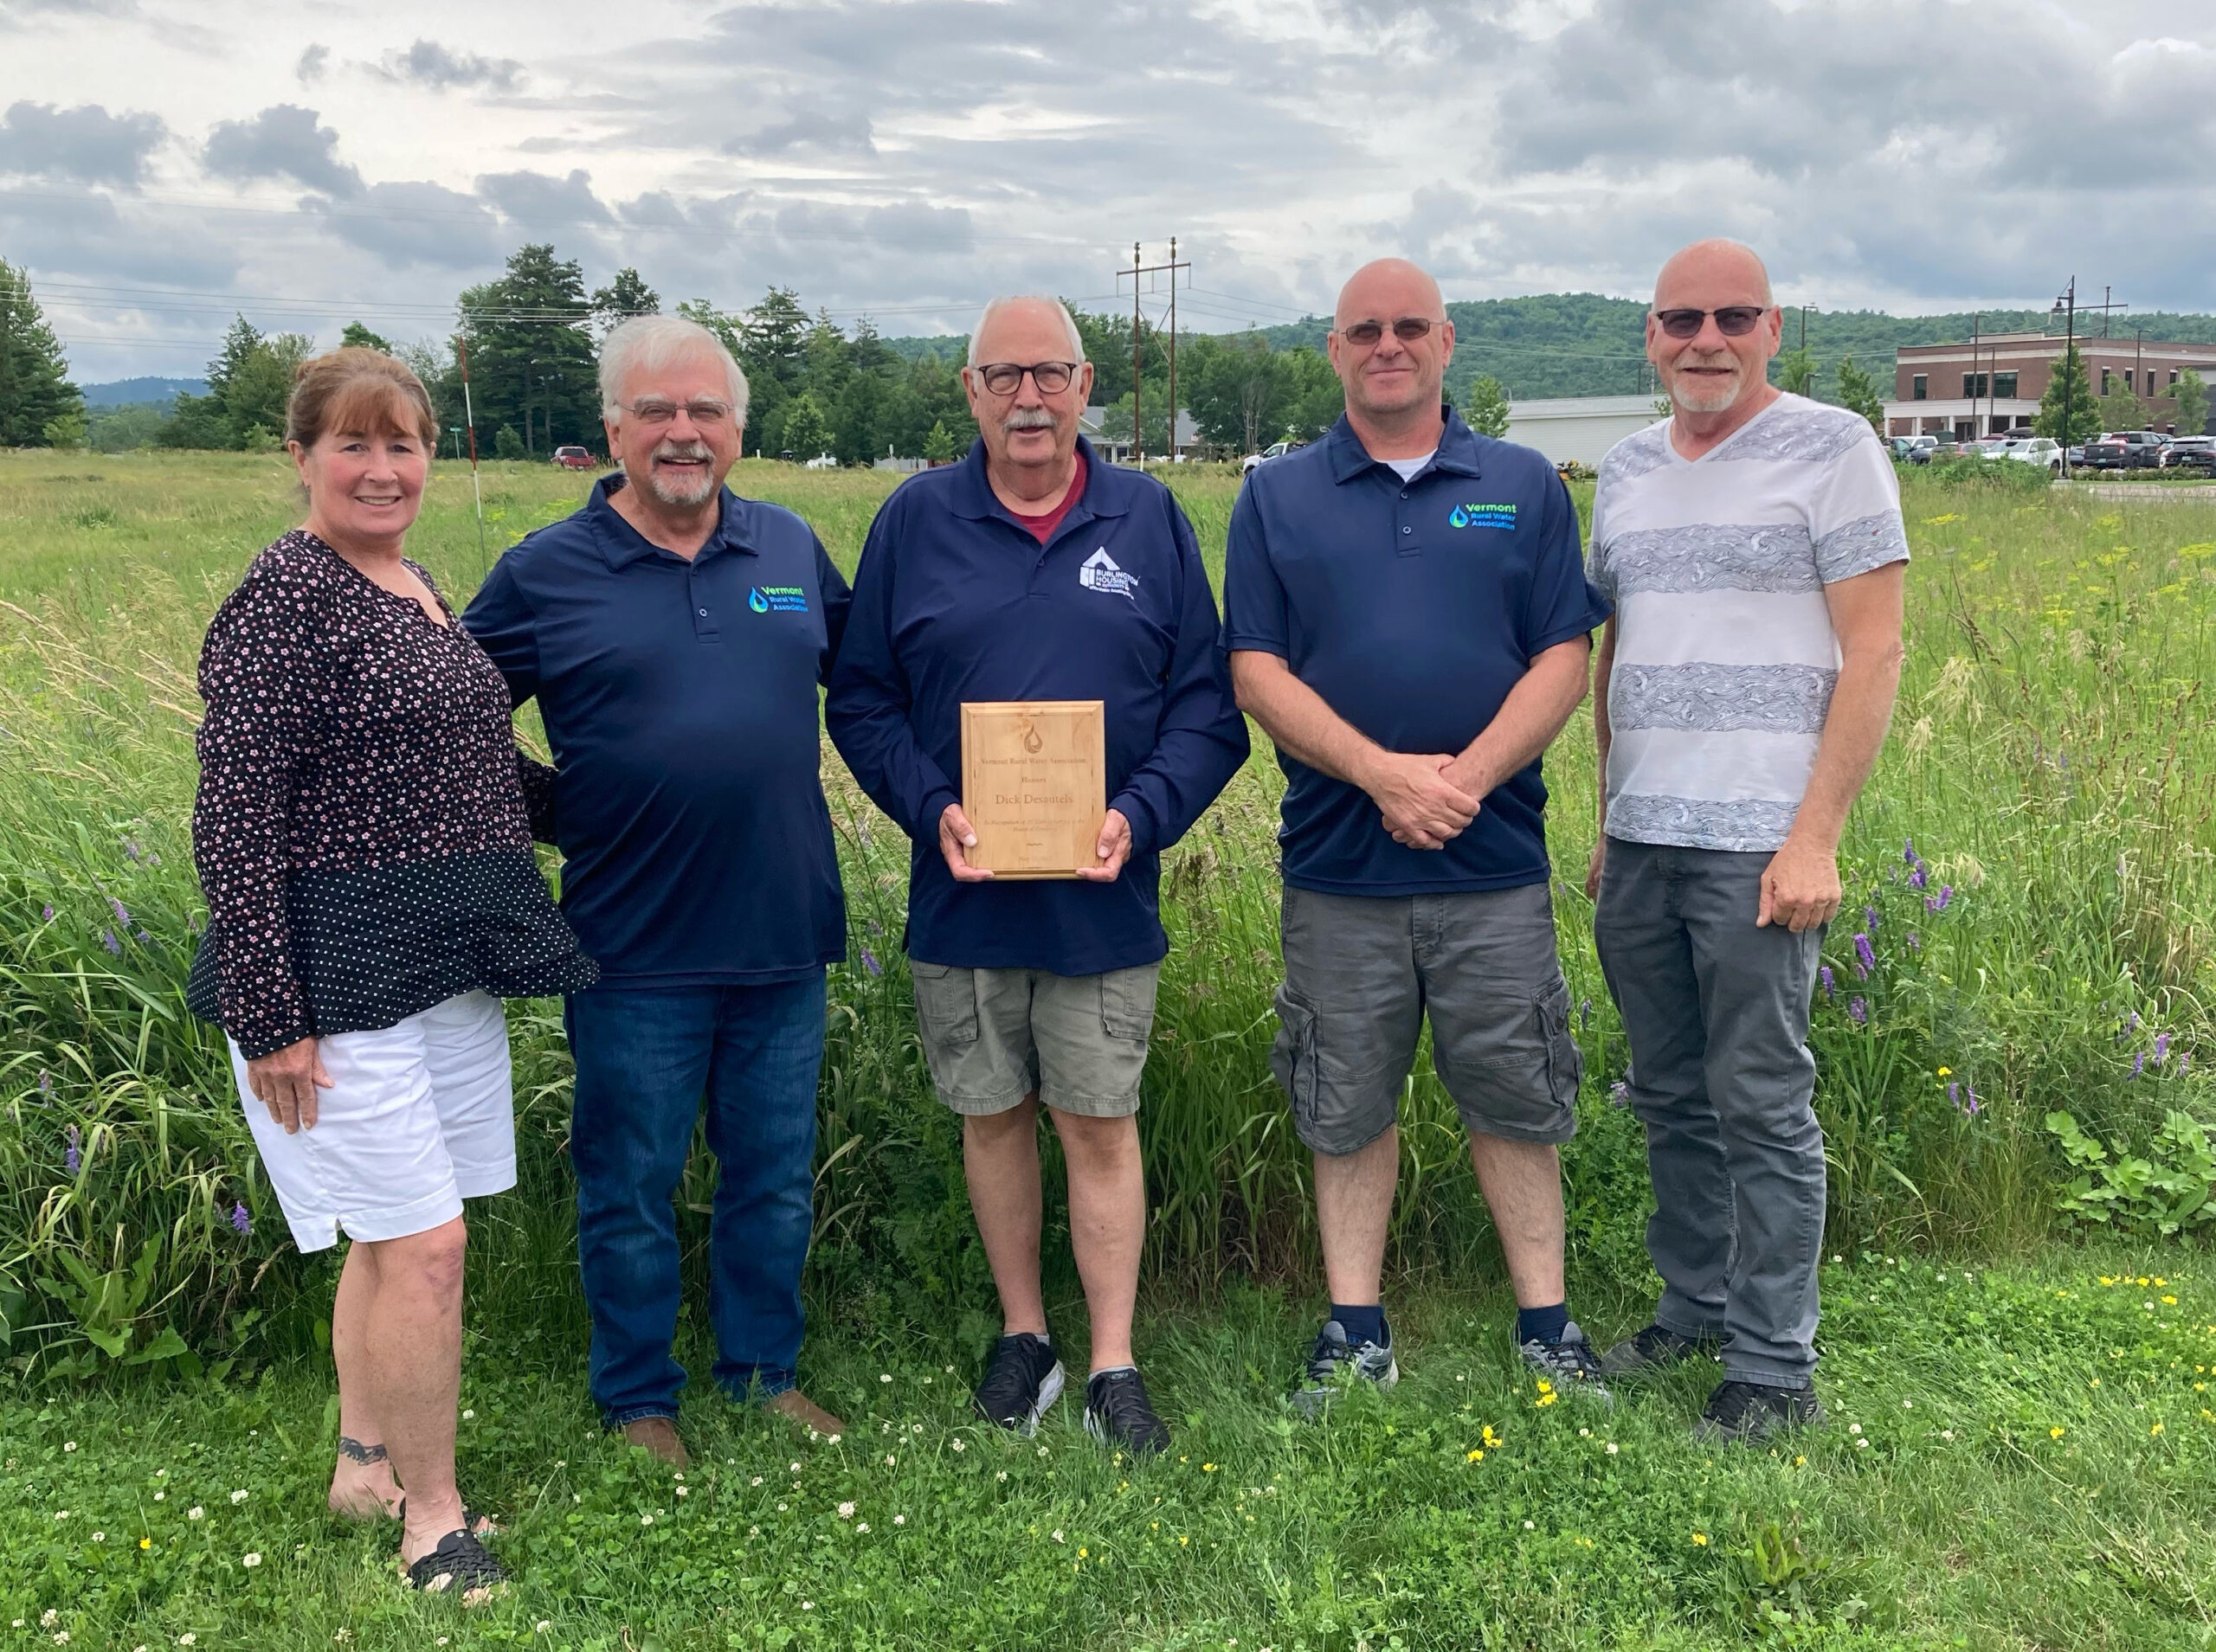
417	225
427	63
805	131
85	145
313	62
283	141
534	199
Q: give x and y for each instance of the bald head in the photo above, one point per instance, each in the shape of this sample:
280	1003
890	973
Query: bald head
1694	274
1385	288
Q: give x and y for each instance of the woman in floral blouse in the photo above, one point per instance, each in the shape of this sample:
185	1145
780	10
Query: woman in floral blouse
364	833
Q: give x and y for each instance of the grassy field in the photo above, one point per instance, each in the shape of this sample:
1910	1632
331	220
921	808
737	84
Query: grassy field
2022	1451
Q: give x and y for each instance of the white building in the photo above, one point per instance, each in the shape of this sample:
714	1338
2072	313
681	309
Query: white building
1579	427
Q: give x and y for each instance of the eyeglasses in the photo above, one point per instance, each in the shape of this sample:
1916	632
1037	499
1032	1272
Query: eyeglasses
655	413
1733	320
1052	377
1407	329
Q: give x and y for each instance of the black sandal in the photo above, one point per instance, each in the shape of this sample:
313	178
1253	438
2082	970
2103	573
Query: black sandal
477	1523
461	1563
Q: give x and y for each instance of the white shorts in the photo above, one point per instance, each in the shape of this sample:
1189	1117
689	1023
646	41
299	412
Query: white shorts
420	1117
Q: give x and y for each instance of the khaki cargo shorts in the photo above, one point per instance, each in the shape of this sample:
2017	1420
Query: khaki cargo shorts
994	1036
1361	972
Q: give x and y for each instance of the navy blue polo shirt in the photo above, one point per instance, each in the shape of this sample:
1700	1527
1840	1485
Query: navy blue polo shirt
955	601
1413	608
680	698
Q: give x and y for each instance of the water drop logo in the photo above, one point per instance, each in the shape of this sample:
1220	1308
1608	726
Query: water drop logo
1458	517
758	602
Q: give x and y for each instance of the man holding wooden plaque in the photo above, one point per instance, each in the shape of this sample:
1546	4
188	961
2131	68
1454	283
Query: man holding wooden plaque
1030	686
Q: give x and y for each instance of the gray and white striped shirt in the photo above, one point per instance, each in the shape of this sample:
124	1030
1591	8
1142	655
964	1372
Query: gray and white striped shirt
1725	656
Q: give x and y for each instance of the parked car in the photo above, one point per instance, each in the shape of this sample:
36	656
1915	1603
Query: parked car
2036	450
2125	450
1944	447
573	459
1913	450
1275	450
2191	454
822	462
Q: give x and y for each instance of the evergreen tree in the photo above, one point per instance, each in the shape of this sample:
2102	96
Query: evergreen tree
2067	376
2192	394
773	331
807	429
249	385
530	351
627	295
2121	410
1485	407
35	387
1796	372
1857	392
356	337
939	445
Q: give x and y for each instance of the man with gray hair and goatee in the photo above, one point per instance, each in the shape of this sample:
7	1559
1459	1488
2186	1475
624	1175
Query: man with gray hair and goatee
1753	547
674	635
1034	571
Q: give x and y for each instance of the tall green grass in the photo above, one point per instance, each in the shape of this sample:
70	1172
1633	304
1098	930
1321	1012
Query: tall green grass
2050	769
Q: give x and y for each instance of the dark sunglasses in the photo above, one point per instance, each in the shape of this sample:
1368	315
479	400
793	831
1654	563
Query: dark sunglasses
1052	377
1407	329
1733	320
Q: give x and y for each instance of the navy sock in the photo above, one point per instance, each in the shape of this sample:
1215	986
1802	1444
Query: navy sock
1542	1324
1361	1324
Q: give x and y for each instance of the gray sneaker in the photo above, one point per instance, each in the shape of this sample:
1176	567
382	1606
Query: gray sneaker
1335	1364
1655	1349
1570	1365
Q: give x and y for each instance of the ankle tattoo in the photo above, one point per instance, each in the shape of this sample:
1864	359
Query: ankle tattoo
358	1452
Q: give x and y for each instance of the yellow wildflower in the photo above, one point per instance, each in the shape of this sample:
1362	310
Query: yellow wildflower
1701	1538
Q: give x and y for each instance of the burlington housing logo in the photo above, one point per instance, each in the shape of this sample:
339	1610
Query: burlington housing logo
1100	573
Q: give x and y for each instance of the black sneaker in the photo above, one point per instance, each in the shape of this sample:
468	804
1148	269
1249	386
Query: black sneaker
1334	1364
1570	1365
1749	1413
1650	1351
1117	1413
1023	1380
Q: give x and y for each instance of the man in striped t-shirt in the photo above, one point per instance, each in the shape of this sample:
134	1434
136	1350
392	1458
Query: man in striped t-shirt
1752	546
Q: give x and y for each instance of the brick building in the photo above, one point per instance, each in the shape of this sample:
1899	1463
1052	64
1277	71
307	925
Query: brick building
1983	387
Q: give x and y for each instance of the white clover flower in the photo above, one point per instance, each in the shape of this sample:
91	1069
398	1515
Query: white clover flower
885	1376
238	1496
916	1429
1003	1474
542	1627
1854	1428
754	1531
899	1520
1612	1448
1946	1433
796	1468
781	1509
69	1445
188	1639
47	1619
949	1371
161	1496
469	1417
99	1537
1862	1445
61	1513
1529	1526
681	1490
835	1438
846	1511
1042	1450
961	1445
1057	1535
61	1637
645	1520
861	1526
195	1512
807	1605
250	1559
888	1460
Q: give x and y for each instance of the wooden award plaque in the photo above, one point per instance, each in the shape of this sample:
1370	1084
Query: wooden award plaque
1033	785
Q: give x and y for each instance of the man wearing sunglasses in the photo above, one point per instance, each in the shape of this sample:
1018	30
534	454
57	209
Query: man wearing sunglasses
1752	544
1407	615
1034	571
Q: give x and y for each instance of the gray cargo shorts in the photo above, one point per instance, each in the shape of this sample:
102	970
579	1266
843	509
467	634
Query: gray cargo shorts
994	1036
1361	972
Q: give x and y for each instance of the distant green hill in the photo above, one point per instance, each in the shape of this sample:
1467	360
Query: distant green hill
1582	343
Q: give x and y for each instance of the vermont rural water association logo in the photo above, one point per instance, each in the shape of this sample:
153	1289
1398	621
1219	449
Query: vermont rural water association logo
1100	573
777	599
1482	516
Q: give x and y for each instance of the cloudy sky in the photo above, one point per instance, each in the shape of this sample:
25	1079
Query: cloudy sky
162	165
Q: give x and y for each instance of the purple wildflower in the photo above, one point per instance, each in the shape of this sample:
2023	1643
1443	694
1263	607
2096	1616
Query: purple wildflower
241	1224
1619	1094
131	849
1908	850
46	913
875	927
1955	1094
2161	1048
1939	902
1870	919
1970	1102
46	1085
2185	1060
143	936
2139	1064
1919	877
1915	941
1824	974
108	940
1857	1011
71	1158
1865	955
870	964
122	917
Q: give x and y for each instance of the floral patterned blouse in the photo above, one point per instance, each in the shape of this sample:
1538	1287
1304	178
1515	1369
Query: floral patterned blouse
365	819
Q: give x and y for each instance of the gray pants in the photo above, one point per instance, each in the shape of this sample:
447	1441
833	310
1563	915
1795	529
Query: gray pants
1716	1012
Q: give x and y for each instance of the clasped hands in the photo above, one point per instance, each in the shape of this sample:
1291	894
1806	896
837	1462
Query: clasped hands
956	836
1426	798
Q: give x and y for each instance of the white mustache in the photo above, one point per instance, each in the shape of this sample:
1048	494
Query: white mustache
684	450
1027	418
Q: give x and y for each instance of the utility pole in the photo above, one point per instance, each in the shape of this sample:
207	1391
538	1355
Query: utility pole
2138	362
1137	270
469	417
2068	305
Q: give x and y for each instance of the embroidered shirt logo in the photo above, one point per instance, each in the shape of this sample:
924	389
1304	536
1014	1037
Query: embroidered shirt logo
1482	516
777	599
1100	573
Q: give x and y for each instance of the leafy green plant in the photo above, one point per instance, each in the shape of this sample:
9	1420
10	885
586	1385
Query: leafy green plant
112	1307
2165	1193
